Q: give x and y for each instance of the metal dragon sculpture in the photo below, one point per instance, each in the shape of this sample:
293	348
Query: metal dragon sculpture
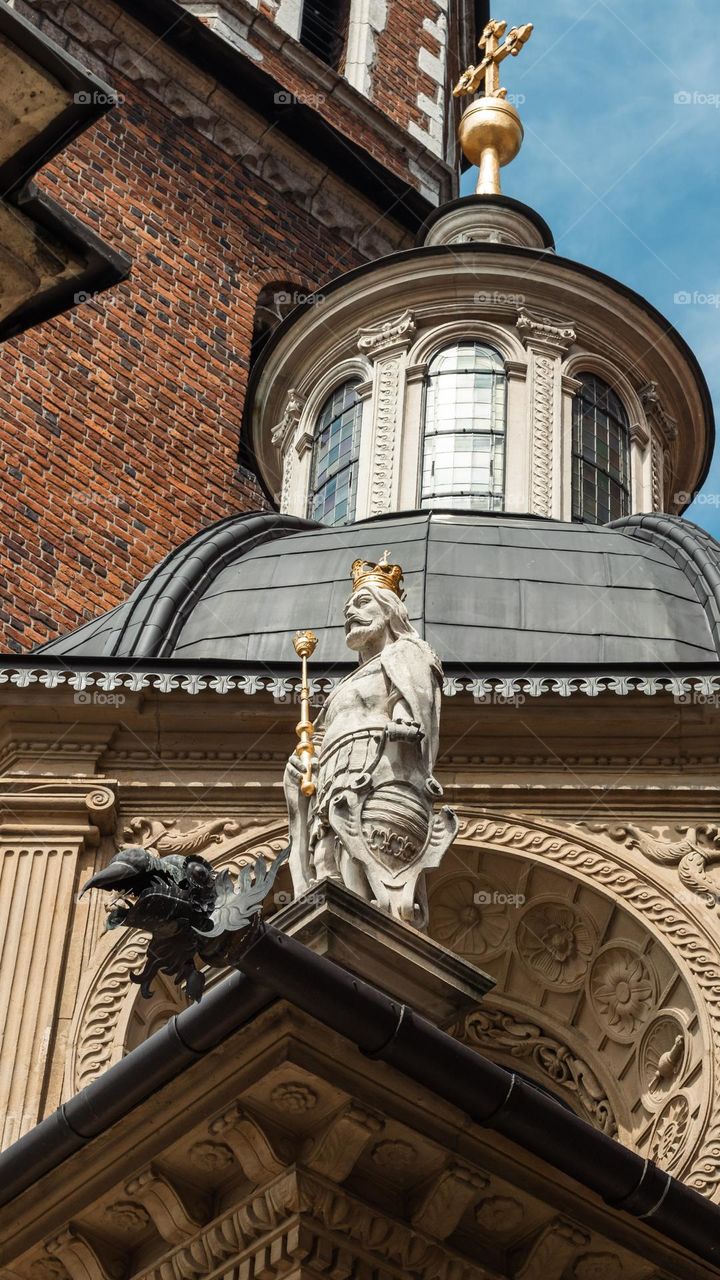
191	912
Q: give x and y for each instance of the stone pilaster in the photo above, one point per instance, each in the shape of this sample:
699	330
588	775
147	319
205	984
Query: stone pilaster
547	341
386	345
48	831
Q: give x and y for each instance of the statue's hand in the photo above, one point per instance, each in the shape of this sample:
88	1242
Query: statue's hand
295	770
404	731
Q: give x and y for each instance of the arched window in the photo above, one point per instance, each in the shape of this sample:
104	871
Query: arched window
601	453
333	479
464	438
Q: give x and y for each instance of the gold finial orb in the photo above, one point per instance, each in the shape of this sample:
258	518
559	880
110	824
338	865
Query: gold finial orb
490	130
304	643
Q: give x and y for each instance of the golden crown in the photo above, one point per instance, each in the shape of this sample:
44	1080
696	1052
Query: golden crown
388	576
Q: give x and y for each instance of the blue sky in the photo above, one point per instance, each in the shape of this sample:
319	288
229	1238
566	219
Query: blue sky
627	177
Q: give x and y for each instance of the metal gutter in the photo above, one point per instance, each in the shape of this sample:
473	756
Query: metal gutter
390	1032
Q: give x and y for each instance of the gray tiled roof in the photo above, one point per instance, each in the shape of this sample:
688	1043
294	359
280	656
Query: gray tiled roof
482	589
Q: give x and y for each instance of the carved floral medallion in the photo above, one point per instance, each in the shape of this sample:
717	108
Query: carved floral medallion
622	992
470	916
556	944
668	1135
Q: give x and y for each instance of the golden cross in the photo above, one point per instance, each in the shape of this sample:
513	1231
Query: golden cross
495	53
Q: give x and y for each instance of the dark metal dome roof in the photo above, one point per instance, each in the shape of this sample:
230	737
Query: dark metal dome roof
482	589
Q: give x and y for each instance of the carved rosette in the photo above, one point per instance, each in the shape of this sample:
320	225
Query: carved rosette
556	942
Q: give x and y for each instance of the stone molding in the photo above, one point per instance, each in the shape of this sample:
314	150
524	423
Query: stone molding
337	1227
283	687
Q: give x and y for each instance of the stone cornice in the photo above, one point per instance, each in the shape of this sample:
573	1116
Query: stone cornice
488	686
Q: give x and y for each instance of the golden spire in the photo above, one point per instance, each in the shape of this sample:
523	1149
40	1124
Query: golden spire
490	130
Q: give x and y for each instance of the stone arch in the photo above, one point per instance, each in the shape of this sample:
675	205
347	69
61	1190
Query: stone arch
511	883
436	336
588	362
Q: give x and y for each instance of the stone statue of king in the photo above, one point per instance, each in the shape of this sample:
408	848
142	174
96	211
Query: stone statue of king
371	822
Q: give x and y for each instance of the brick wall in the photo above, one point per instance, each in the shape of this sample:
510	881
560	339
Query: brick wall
119	421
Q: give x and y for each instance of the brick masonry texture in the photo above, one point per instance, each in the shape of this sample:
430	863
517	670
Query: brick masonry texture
120	420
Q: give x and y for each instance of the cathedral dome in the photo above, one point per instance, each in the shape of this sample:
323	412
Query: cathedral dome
484	590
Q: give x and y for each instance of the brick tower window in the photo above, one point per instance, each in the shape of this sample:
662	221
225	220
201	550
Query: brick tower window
324	30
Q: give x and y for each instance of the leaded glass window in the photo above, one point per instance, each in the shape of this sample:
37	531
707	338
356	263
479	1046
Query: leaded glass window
601	453
464	439
333	483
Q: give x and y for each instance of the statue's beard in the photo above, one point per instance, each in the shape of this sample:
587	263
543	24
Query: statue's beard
359	636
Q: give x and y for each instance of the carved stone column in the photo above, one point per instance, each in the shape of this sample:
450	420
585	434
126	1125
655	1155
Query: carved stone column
386	345
48	829
547	341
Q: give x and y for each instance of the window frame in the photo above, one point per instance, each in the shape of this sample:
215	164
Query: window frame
583	466
467	499
353	463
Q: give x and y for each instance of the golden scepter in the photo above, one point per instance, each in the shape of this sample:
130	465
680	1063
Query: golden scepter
304	644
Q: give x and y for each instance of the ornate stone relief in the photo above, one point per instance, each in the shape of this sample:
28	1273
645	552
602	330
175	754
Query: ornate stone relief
385	336
500	1215
651	401
663	1056
669	1130
697	850
690	1137
385	343
284	429
470	916
294	1096
479	687
337	1222
160	837
563	1070
556	335
542	452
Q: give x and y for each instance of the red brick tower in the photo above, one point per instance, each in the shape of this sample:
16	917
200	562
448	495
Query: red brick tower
260	147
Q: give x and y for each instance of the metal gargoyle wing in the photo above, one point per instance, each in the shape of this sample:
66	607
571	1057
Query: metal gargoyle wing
236	905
